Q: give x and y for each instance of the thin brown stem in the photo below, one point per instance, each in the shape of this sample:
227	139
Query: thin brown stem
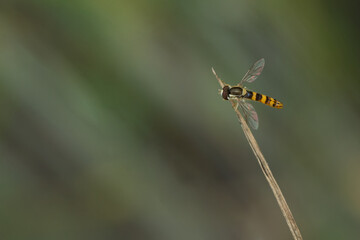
266	170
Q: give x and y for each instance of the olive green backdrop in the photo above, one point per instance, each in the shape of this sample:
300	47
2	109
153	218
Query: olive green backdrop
111	126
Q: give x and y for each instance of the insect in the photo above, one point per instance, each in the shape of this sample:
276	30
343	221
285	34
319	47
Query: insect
239	95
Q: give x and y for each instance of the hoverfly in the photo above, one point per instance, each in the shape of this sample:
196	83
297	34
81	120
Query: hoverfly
239	94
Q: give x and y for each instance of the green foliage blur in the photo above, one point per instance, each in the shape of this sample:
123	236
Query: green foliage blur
111	125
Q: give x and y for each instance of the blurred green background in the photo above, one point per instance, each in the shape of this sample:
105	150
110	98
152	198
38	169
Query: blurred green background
111	126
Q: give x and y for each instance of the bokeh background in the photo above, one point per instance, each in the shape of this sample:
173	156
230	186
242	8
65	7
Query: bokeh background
111	126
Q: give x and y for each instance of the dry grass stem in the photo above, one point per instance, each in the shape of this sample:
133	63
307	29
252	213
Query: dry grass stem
266	170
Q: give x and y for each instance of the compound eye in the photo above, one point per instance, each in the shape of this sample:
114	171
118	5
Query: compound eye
225	92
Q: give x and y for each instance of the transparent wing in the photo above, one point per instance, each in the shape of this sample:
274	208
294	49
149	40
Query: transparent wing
254	71
250	114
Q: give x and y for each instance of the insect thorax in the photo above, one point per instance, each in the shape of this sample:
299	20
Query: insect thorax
236	92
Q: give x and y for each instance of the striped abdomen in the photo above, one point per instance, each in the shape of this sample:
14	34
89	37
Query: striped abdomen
263	99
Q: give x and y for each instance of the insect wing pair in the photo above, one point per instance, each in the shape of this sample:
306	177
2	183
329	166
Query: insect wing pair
247	109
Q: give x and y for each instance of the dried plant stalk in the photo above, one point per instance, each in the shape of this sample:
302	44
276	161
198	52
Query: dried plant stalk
266	170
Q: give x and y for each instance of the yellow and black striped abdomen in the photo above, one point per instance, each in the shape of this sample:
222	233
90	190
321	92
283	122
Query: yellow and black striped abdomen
272	102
